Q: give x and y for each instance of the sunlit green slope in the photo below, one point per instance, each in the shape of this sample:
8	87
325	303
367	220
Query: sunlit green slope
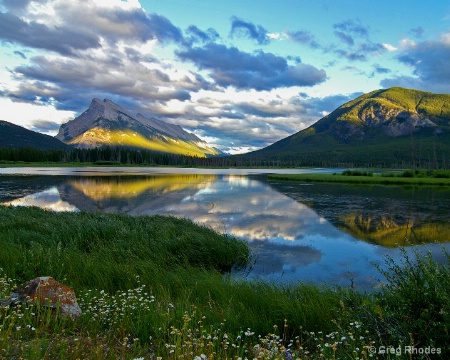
129	138
382	128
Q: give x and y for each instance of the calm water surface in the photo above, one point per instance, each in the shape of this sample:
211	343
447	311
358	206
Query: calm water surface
322	233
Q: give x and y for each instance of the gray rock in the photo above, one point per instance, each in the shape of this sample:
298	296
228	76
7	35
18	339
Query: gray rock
46	291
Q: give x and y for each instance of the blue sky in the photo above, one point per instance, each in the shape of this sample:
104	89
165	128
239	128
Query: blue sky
239	74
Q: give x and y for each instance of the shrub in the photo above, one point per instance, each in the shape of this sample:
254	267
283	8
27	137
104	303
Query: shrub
408	174
417	298
441	174
357	173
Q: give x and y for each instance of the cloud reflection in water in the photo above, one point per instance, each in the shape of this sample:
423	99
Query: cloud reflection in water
48	199
289	240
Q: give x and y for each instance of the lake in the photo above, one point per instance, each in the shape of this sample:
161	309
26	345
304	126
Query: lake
320	233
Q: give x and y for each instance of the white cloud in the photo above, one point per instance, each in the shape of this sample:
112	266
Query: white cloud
277	36
26	114
407	43
390	47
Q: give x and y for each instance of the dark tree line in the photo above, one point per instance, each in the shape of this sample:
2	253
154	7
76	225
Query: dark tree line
127	156
102	155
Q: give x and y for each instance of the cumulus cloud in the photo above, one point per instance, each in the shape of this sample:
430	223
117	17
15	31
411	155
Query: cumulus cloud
356	38
195	35
107	52
239	100
378	69
44	126
417	32
345	38
242	28
429	64
389	47
237	122
351	55
317	106
69	79
36	35
20	53
94	25
303	37
352	27
230	66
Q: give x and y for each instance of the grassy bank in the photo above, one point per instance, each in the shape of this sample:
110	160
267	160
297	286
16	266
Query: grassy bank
406	178
156	287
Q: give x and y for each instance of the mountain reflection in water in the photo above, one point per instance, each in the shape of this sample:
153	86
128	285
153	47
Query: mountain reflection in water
296	232
388	216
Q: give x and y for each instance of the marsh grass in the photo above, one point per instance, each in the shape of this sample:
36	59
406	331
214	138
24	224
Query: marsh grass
170	302
405	178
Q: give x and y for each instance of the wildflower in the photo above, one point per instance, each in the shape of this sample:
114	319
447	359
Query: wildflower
249	333
203	357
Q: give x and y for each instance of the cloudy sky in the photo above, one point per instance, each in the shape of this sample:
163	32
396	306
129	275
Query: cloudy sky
239	74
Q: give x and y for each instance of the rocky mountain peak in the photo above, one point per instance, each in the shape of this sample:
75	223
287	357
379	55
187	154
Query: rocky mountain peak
106	123
396	112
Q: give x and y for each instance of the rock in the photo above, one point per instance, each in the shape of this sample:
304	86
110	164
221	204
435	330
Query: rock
47	292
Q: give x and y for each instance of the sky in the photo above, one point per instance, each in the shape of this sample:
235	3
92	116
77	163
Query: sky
241	75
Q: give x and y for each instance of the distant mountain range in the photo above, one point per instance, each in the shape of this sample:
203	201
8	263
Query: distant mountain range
383	127
15	137
106	123
390	127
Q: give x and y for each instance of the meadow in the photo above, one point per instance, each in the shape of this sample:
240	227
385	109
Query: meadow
160	288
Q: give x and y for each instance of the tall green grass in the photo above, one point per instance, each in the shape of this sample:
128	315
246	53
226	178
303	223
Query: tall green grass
107	251
158	287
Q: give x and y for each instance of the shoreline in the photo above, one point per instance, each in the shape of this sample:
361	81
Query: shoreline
362	180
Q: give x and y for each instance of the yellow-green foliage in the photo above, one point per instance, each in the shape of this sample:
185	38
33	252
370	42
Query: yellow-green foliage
433	105
386	232
420	101
131	138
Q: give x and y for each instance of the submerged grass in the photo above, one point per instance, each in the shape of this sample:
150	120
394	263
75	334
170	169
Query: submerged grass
156	288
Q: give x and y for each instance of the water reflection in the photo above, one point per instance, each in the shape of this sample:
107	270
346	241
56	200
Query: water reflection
296	232
388	231
387	216
48	199
103	188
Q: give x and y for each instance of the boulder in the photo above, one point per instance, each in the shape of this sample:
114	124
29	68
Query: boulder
46	291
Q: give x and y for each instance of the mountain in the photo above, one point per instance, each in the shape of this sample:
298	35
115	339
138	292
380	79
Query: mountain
389	127
106	123
16	137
